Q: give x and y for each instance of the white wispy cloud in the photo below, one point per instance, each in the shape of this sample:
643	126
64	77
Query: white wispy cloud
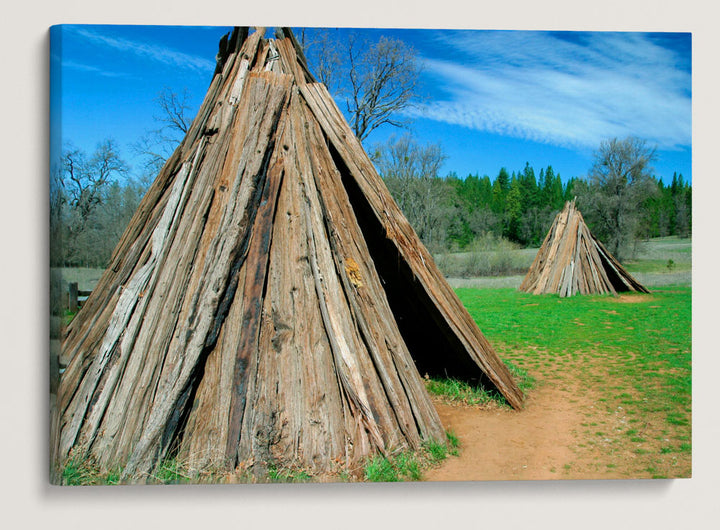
571	92
153	52
92	69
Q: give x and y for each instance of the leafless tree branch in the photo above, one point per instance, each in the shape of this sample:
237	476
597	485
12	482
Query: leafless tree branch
174	119
618	183
376	80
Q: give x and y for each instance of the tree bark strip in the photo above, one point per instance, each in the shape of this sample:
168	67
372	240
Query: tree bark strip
253	291
370	307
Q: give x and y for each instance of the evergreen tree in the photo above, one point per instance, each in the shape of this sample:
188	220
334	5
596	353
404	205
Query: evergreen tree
485	192
569	189
553	190
513	210
503	179
499	191
529	188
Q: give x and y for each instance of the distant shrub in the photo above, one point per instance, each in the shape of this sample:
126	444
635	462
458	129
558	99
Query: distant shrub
487	255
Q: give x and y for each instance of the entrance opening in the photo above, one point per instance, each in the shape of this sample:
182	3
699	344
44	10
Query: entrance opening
433	345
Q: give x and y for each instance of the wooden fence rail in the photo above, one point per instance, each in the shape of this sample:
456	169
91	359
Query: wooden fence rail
75	298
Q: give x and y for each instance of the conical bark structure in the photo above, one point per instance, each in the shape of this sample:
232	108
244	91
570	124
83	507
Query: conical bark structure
268	303
573	261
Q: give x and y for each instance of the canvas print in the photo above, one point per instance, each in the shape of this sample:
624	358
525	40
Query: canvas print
368	255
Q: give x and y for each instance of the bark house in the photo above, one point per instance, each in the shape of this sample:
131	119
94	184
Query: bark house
571	260
268	303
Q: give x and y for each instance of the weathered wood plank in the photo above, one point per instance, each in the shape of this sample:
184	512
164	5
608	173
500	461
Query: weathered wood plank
307	406
270	94
370	306
255	281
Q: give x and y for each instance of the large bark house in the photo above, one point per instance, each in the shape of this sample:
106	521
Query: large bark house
268	303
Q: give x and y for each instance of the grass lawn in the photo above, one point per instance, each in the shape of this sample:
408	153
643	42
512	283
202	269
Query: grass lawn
632	353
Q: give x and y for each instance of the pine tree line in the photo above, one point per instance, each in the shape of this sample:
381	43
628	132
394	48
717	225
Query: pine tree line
669	212
519	206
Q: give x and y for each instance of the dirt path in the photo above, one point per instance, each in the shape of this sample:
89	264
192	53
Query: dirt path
501	444
546	440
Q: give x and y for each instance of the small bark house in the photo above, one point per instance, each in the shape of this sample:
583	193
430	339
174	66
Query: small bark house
573	261
268	303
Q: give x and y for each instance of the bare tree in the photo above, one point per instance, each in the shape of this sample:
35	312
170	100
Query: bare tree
411	172
84	179
175	110
174	119
324	52
56	212
384	79
375	80
618	183
84	184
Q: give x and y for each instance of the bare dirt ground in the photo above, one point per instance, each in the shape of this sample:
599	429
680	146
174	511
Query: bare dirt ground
556	436
534	444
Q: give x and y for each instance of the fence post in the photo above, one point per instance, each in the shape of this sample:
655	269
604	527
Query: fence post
73	297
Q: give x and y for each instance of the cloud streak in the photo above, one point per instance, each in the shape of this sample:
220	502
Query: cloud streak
566	89
91	69
152	52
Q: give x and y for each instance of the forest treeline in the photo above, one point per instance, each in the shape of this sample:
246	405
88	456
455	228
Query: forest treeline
520	206
93	198
450	212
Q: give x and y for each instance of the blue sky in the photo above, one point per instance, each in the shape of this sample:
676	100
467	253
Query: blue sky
492	99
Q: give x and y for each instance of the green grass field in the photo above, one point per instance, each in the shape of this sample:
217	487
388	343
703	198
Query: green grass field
631	354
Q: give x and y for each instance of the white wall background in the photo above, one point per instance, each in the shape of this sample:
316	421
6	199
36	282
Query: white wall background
28	501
